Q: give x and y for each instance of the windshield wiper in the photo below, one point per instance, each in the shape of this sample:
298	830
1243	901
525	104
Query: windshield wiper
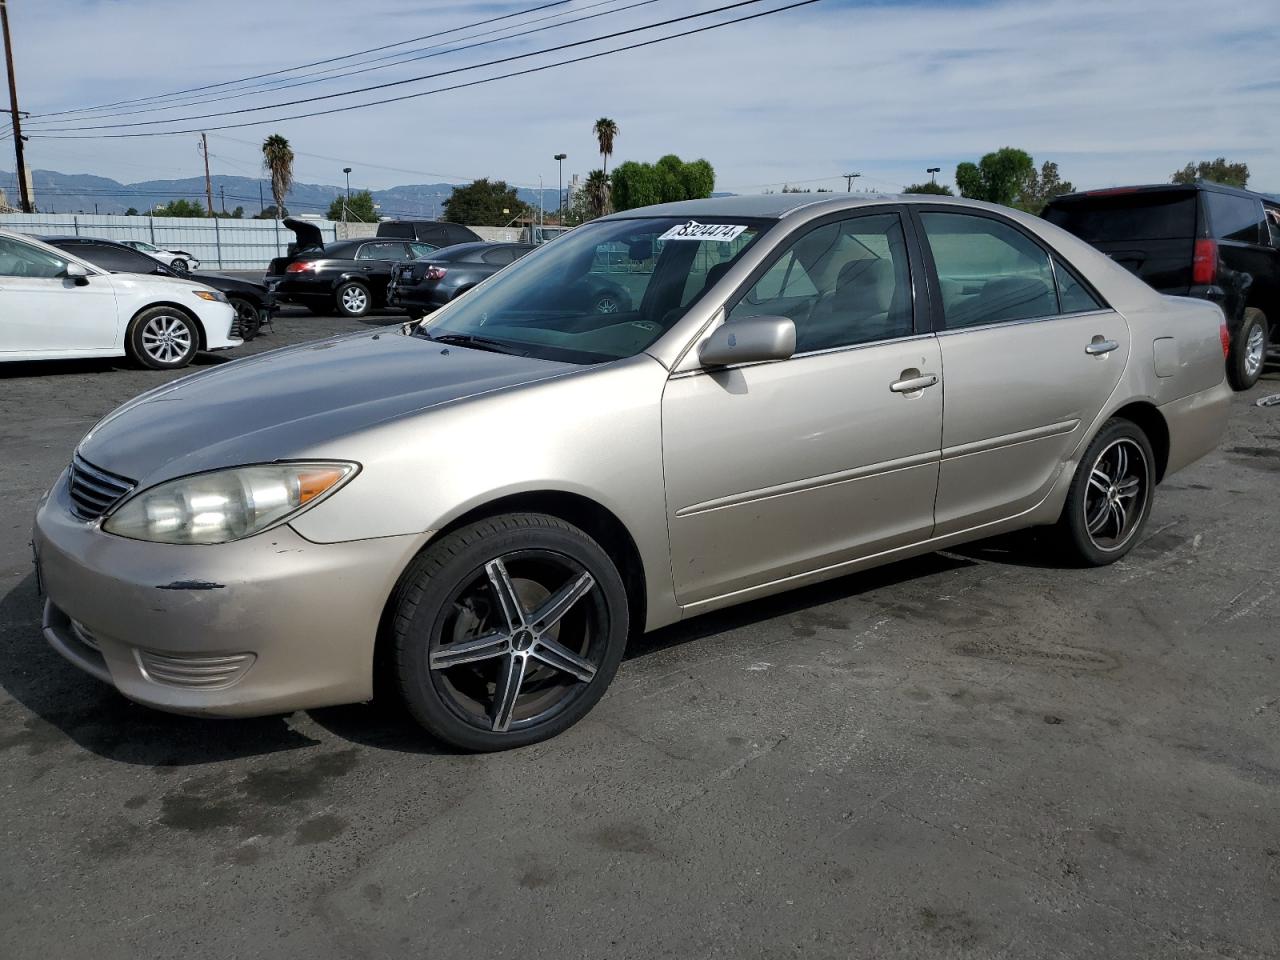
477	343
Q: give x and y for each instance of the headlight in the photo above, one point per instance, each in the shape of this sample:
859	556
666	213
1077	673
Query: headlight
228	504
214	296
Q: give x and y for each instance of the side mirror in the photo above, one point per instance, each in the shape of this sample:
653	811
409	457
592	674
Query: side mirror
749	340
77	273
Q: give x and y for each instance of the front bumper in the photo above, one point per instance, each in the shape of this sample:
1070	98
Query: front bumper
270	624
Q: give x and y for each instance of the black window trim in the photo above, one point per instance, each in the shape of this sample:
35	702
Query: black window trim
1054	255
921	309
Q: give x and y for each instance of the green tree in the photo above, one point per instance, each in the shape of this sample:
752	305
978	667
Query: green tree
482	204
270	213
359	207
1219	171
236	214
180	208
998	177
131	212
670	179
937	189
277	159
1042	187
596	192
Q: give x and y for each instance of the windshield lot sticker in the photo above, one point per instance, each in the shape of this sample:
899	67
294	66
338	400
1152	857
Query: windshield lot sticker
693	230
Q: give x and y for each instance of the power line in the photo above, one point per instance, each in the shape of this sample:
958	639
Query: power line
337	74
445	73
313	63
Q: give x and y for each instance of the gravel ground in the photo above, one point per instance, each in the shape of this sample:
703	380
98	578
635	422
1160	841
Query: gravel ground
972	754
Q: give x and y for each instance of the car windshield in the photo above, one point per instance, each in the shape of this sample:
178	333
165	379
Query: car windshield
604	291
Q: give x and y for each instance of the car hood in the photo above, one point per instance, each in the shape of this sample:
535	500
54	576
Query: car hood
281	404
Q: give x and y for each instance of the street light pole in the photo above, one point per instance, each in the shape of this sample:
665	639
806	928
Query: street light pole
347	202
933	174
560	158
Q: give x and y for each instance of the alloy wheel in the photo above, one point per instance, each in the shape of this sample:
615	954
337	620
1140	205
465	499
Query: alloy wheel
1116	498
520	640
1255	349
355	299
606	304
166	338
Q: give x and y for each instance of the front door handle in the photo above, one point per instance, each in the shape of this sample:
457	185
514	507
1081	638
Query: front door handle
912	384
1098	346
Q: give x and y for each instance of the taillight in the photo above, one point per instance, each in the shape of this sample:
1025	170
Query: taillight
1204	262
436	273
301	266
1225	335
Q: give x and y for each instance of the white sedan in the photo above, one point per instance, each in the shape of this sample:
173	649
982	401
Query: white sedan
57	306
178	260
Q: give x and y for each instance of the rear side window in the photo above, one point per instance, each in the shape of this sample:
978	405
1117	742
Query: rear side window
404	230
1074	295
1234	218
988	271
388	250
422	249
1128	216
499	256
117	259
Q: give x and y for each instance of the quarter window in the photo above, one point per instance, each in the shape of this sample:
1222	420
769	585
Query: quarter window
22	260
1074	295
842	283
1234	218
988	271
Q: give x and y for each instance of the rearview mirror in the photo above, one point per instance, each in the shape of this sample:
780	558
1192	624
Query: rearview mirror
749	340
77	273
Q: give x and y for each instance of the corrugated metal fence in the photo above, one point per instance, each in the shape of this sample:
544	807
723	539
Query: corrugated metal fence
219	244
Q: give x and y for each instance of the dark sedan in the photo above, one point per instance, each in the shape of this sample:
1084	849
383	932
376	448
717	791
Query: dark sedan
348	277
253	302
423	285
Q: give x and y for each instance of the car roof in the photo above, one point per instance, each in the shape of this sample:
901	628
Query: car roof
1148	188
70	239
778	205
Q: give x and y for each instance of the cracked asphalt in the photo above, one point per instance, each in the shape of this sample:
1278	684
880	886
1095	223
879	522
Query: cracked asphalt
972	754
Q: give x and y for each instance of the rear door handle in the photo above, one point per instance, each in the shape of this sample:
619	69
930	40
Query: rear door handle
1098	346
912	384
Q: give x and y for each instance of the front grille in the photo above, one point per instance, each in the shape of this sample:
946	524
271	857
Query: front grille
194	673
95	491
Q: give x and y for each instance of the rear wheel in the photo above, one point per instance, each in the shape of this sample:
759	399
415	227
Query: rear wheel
352	299
247	322
508	631
1110	496
163	338
1248	350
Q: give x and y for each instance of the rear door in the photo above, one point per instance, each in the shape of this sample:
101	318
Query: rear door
1151	233
1030	354
375	260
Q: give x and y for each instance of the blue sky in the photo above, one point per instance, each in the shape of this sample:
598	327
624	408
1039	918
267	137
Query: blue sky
1116	91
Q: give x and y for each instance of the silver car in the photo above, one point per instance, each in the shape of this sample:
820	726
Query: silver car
486	505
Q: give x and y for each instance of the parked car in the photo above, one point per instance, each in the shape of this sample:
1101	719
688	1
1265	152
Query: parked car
178	260
1199	240
252	302
438	233
55	305
486	505
347	277
423	285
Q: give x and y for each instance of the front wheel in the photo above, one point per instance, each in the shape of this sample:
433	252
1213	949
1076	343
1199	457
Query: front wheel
352	299
1248	351
1110	496
163	338
179	265
507	631
247	322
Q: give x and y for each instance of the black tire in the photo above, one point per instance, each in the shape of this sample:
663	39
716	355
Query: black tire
163	338
179	265
352	299
1097	525
248	321
609	301
448	597
1248	350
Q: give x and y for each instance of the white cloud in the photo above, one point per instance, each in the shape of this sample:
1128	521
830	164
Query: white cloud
1114	92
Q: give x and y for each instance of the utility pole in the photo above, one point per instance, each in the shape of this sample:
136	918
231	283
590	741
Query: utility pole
262	204
222	198
18	138
560	158
208	184
848	181
933	174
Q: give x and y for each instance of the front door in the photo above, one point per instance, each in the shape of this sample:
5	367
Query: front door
44	312
1031	354
779	469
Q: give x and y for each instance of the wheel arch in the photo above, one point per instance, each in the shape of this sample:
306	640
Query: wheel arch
590	516
201	336
1151	421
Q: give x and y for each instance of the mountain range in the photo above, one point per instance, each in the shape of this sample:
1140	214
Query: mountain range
84	193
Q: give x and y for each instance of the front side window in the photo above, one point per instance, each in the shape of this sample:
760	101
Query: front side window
604	291
843	283
19	259
988	271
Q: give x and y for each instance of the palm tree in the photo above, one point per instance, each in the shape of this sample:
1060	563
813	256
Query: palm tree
597	193
277	159
606	132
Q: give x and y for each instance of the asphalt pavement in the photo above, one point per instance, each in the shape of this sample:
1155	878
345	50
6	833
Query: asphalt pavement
971	754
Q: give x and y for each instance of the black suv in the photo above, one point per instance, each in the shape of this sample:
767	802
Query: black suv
1194	240
438	233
